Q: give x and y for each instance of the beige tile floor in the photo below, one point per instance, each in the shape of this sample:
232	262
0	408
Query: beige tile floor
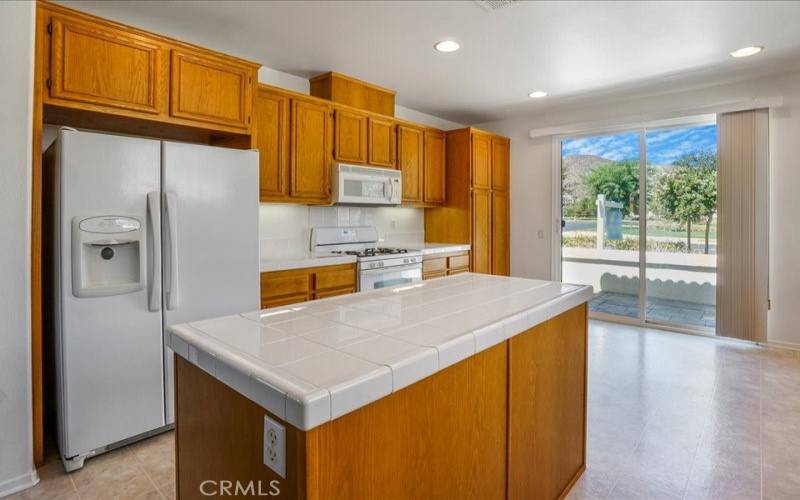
670	416
143	470
676	416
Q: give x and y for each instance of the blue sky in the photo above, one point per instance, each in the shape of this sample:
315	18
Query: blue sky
663	146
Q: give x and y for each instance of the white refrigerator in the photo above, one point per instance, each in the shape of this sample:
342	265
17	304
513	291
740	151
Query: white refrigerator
148	233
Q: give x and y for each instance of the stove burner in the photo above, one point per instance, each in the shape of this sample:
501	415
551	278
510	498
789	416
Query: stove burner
371	252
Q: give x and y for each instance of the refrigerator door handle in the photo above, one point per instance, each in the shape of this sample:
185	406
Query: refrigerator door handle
171	281
154	214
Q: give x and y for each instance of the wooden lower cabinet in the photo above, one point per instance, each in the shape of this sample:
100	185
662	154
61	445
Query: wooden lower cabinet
323	294
506	423
280	288
439	266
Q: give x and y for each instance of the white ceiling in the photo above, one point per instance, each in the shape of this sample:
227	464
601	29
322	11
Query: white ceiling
573	50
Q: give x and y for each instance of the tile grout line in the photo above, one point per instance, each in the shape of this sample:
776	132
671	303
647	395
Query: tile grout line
147	475
630	454
703	435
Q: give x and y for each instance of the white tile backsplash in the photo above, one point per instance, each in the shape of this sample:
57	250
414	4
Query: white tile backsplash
285	229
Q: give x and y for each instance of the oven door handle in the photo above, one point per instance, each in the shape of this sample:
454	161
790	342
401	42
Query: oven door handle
384	270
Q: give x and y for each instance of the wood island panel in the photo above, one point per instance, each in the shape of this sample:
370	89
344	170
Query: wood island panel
508	422
547	407
443	437
221	438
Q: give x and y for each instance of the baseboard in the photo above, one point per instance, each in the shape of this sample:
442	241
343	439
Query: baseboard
19	483
781	345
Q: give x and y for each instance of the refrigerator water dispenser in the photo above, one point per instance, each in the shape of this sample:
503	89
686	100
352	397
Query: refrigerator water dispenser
107	255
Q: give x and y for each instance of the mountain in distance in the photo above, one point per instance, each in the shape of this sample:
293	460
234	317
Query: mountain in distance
573	169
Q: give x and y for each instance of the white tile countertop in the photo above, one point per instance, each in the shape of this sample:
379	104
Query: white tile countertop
312	362
437	248
301	261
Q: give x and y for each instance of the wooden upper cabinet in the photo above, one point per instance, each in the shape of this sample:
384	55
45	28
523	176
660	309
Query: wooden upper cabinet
311	135
481	159
500	163
101	65
409	160
500	233
382	140
434	169
350	143
271	138
481	232
209	89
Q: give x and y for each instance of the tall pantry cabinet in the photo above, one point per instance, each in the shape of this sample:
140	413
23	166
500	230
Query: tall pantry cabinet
477	210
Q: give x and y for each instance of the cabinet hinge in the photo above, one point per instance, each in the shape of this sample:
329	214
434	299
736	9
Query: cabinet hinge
50	28
49	83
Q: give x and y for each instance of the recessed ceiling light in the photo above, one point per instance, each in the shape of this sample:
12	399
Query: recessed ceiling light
536	94
447	46
747	51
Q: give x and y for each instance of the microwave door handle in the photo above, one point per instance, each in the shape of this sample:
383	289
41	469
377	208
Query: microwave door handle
391	189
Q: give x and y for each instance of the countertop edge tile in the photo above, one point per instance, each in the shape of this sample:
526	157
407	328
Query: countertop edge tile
360	391
420	365
437	248
310	410
455	349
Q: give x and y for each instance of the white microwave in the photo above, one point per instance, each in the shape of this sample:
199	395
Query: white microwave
360	185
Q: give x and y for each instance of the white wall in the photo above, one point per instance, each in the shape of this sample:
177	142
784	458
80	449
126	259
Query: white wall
285	229
16	81
531	174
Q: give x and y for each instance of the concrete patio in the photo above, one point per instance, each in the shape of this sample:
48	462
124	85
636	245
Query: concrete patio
667	310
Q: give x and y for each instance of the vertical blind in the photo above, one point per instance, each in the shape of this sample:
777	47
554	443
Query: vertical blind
742	224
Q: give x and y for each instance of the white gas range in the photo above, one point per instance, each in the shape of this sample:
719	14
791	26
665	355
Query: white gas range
378	267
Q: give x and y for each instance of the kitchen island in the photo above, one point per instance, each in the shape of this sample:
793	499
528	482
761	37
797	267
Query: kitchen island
470	386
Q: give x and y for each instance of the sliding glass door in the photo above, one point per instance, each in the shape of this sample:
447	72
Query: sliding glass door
681	261
600	220
638	219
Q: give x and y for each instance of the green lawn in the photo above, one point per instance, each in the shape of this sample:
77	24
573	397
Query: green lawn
656	228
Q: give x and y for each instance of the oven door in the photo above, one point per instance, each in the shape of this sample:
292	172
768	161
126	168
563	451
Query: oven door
372	279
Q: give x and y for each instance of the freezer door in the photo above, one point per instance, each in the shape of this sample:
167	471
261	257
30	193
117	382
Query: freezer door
210	236
108	340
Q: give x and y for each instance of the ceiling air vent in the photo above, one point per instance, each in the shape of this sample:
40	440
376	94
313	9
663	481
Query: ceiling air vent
492	5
